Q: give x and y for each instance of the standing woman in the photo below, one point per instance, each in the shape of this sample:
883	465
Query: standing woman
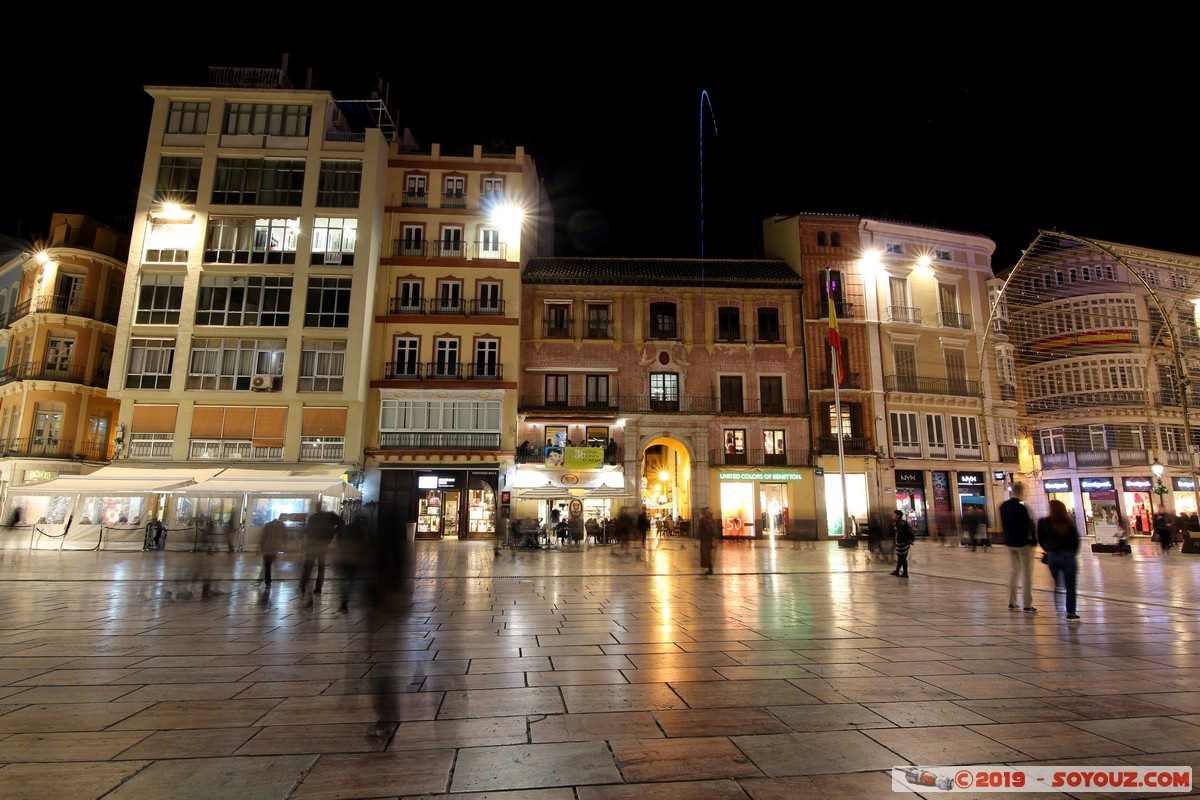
1059	537
904	541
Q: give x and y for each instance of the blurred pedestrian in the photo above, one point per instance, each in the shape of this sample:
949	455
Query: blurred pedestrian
1164	531
273	535
643	525
1019	537
708	536
903	533
1059	537
353	555
319	530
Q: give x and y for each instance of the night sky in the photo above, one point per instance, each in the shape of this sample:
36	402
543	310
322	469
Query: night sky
996	138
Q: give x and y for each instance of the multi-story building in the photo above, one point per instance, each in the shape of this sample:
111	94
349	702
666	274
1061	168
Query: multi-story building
910	303
670	383
446	328
244	333
58	322
1105	338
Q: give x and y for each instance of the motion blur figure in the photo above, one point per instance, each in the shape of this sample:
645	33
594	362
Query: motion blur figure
388	579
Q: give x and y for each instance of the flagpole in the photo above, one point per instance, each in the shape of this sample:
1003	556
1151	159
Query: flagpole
836	359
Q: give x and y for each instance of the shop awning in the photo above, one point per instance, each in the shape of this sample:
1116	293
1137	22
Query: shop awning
288	486
113	481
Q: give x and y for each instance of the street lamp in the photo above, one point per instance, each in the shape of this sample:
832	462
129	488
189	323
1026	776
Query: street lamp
1158	489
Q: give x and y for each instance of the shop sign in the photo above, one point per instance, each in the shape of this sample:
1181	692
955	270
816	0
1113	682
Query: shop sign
1096	484
1137	484
765	475
911	477
583	457
1057	485
998	475
436	482
1183	484
970	479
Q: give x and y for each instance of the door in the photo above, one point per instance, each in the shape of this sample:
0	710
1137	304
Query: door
450	521
58	355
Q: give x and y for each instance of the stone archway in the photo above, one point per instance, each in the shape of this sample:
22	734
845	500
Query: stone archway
665	477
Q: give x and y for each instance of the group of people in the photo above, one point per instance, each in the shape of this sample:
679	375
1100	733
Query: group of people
320	529
1059	539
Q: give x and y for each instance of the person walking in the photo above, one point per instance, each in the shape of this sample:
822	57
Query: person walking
1164	531
273	535
353	555
1019	537
319	530
708	535
643	525
904	540
1059	537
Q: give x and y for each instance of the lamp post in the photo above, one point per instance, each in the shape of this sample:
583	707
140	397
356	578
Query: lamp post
1158	489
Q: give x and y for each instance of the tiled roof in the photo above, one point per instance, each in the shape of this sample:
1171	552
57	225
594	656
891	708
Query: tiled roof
663	272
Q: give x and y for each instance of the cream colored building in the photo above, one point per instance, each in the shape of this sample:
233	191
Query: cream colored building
446	339
58	322
244	337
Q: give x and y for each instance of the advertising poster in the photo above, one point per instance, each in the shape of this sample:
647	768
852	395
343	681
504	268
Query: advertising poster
1104	516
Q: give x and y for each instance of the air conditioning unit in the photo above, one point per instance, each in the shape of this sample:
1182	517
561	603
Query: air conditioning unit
264	383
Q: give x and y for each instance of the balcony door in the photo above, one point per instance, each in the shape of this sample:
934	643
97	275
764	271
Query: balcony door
47	425
445	358
69	292
58	355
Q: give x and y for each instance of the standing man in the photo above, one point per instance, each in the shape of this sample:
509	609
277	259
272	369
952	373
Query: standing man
643	525
707	534
1020	539
319	531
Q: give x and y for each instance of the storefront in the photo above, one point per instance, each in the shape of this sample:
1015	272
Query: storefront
910	499
857	505
1100	509
444	502
1183	495
972	501
1060	489
758	503
1138	503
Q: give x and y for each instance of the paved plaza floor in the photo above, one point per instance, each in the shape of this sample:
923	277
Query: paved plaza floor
794	672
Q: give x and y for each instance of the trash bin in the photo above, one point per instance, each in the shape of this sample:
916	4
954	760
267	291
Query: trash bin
411	532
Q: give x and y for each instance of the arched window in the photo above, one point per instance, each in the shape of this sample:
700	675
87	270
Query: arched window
820	238
835	239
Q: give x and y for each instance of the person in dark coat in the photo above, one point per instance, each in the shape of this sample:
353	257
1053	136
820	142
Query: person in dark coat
1164	531
1059	537
643	525
273	535
904	540
707	534
1019	537
353	555
319	531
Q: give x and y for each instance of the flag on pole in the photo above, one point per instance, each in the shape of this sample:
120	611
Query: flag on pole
835	340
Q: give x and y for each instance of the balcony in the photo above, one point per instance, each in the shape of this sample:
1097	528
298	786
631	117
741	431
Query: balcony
1112	397
415	199
151	445
52	372
443	371
1008	391
731	333
557	328
851	445
1056	461
953	319
1008	453
438	440
966	452
532	454
322	448
755	458
769	334
454	200
843	309
664	331
570	404
446	306
852	380
1133	458
59	305
946	386
234	450
598	329
440	248
906	449
1093	458
904	314
40	447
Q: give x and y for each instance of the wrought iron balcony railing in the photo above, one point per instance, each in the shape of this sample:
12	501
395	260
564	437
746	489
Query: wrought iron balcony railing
773	334
953	319
756	458
557	328
438	440
598	329
40	447
731	333
443	370
918	385
449	248
571	403
39	371
905	314
851	445
441	306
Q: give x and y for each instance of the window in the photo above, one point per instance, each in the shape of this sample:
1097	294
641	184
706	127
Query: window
729	324
832	289
774	447
47	424
96	441
178	180
167	243
237	432
905	356
246	240
408	297
58	354
333	240
897	249
820	238
256	300
1052	440
442	415
735	446
770	392
415	190
150	363
258	181
965	433
943	255
557	389
413	243
835	239
328	303
599	321
731	394
488	298
956	370
405	353
662	321
493	186
906	440
445	358
768	325
947	298
451	242
489	243
230	364
558	320
487	358
664	391
597	392
1098	437
935	434
187	117
269	119
449	298
454	192
159	299
898	289
596	436
846	429
322	366
339	184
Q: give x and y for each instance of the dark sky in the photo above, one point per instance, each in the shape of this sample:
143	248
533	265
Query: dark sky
1003	137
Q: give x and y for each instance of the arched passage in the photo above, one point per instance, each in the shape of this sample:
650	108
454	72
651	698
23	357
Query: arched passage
666	478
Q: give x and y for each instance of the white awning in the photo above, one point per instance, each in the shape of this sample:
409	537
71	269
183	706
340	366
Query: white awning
285	486
113	481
